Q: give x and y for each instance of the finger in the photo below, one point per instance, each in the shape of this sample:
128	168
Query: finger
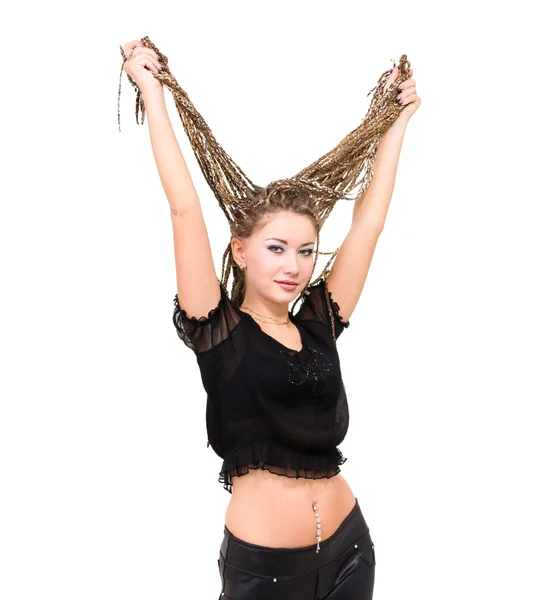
145	52
408	99
407	84
393	76
130	45
150	52
404	93
142	56
152	65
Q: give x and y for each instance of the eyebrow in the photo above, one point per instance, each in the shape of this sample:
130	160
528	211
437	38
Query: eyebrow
284	242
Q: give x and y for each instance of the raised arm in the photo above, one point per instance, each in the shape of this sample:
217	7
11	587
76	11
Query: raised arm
197	282
350	269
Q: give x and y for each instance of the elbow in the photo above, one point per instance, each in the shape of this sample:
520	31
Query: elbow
370	223
179	210
175	211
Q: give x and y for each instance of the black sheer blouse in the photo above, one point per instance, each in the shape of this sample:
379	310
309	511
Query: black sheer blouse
269	406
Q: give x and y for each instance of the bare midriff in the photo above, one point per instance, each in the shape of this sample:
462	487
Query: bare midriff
276	511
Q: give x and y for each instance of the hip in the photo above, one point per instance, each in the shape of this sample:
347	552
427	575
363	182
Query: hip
344	566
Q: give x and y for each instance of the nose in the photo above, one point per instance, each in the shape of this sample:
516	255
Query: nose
291	264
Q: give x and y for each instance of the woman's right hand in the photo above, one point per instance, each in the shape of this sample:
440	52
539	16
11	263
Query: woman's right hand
142	64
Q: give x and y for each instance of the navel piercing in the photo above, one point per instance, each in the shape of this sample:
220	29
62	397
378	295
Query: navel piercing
318	526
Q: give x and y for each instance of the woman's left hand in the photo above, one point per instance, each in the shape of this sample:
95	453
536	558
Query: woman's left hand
407	95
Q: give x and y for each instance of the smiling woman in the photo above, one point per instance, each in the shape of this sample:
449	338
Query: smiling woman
273	268
277	242
276	406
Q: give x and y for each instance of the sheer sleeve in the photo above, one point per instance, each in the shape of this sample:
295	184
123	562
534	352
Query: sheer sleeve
206	332
315	308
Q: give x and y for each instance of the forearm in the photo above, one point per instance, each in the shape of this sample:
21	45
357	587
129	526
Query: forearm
172	168
374	203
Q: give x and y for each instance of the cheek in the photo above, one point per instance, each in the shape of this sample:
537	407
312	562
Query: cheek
308	268
262	262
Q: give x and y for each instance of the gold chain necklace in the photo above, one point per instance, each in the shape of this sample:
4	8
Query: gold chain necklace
273	321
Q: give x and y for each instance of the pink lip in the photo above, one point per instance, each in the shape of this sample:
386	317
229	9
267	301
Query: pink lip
287	284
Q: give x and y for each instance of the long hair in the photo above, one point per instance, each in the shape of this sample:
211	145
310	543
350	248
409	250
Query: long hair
343	173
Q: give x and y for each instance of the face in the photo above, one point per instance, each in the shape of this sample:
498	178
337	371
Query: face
281	250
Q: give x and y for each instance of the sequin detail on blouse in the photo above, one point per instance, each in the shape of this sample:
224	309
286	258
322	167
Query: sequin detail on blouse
312	368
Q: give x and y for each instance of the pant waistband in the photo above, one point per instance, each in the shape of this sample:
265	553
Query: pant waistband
266	560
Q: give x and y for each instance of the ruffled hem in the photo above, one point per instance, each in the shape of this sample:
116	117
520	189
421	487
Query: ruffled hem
279	460
335	308
204	319
183	322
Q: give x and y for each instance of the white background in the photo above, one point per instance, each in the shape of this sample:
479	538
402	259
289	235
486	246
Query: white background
107	487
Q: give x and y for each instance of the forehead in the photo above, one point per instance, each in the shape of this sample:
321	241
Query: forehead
288	226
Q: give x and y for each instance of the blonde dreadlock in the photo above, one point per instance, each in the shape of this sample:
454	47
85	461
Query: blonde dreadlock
344	173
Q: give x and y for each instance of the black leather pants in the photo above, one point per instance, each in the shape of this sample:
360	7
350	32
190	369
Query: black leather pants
343	569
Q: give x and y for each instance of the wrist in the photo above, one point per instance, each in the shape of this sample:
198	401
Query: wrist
401	122
153	93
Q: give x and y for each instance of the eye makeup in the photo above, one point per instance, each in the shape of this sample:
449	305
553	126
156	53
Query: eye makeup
309	251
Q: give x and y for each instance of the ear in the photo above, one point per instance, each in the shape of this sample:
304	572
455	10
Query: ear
238	249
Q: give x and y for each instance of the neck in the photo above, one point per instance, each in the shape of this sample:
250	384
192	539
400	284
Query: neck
261	308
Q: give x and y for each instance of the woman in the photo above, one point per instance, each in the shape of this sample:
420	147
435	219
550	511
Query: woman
276	407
